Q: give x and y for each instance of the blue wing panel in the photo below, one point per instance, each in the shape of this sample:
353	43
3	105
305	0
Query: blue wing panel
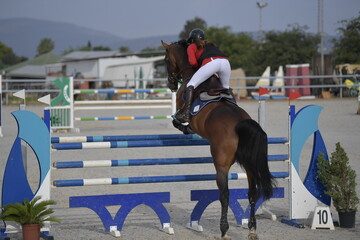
35	133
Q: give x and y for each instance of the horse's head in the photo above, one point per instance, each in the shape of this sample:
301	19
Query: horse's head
176	61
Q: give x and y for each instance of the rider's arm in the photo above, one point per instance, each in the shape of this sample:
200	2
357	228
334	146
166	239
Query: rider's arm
191	51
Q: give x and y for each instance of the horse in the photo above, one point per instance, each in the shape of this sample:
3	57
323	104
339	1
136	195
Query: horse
232	134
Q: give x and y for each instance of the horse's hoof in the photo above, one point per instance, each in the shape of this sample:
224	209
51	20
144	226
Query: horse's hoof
253	236
226	237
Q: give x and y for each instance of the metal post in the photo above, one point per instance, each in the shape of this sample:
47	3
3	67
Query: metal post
1	135
321	34
7	93
358	111
261	6
71	112
261	114
23	143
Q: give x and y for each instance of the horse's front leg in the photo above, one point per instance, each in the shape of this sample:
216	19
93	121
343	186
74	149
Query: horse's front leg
222	182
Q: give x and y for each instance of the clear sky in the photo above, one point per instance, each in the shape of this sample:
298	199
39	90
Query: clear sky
144	18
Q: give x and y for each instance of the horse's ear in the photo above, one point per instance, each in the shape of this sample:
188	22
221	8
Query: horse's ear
166	46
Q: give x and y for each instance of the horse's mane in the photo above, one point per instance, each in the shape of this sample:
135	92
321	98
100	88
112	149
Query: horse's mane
182	43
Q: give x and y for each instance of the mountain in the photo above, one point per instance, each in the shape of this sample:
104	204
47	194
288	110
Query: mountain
23	35
139	44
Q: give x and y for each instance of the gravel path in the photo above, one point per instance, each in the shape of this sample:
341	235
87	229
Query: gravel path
338	123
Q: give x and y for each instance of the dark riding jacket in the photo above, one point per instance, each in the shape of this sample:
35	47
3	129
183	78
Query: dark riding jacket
199	57
210	52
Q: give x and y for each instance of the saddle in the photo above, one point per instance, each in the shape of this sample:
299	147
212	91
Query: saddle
207	92
210	91
212	87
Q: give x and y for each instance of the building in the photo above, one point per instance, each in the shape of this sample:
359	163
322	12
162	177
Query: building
110	66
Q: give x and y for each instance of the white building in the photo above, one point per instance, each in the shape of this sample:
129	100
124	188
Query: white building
111	65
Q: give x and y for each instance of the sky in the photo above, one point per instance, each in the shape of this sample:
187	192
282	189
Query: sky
146	18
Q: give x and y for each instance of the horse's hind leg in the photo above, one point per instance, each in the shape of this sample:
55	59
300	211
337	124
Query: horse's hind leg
253	197
222	182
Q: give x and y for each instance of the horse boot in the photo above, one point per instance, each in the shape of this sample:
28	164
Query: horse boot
184	116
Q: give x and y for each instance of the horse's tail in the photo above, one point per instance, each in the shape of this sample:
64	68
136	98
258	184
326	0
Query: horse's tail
252	155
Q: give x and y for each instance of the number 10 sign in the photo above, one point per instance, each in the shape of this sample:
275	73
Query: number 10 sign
322	219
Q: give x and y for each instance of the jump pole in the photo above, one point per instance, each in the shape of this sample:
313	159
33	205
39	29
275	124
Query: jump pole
147	162
122	118
110	138
140	143
153	179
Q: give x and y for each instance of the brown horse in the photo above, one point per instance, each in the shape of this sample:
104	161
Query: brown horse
232	134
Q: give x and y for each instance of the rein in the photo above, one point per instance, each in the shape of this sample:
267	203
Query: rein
179	76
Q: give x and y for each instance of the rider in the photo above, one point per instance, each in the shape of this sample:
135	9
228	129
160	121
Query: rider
210	60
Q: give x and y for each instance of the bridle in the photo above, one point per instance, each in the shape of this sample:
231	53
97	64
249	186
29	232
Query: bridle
175	78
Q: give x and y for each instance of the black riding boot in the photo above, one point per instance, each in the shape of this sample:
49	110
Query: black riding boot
184	115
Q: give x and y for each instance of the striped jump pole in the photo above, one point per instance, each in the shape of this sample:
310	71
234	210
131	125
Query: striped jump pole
123	138
153	179
147	162
121	118
122	107
122	91
132	144
129	144
112	102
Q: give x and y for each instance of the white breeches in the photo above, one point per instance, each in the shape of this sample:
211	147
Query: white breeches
221	66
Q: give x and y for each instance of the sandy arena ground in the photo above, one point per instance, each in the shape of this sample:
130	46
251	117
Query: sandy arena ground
338	123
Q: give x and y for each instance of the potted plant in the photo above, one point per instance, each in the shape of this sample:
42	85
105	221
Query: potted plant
339	180
31	215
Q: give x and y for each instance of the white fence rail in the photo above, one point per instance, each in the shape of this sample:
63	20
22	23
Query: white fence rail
317	85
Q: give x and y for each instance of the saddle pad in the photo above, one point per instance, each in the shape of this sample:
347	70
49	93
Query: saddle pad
205	99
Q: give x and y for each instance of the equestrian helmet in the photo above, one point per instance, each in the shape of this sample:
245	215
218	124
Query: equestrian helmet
196	34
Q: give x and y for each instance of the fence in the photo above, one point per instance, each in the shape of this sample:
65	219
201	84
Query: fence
339	86
63	117
302	124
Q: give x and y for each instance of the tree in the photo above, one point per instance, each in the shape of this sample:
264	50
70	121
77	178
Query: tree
240	48
101	48
124	49
292	46
87	47
46	45
153	51
190	25
347	47
8	57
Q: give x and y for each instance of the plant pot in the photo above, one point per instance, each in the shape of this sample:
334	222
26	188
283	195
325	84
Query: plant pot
347	219
31	231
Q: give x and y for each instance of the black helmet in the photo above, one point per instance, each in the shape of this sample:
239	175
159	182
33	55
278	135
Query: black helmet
196	34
